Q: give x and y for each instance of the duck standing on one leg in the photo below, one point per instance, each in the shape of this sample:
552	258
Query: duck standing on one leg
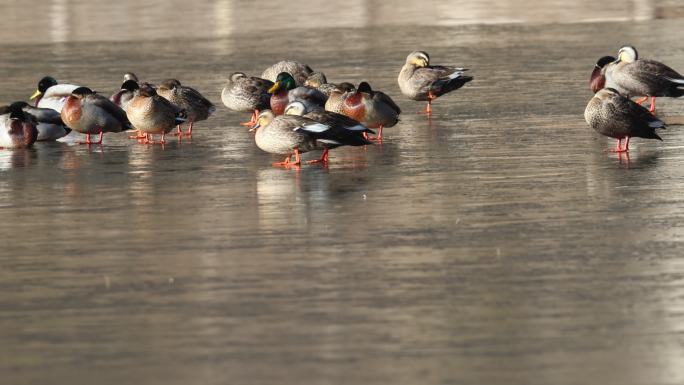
195	105
247	93
616	116
632	77
89	113
420	81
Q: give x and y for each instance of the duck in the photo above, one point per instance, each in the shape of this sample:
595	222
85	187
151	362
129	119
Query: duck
89	113
122	97
343	128
152	114
300	72
374	109
418	80
338	95
130	76
285	90
247	93
48	121
17	128
611	114
598	76
318	81
196	106
632	77
293	135
51	94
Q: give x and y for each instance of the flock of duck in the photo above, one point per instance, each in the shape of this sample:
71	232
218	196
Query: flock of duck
295	110
613	113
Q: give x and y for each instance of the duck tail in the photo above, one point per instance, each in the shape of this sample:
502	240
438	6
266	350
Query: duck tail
454	81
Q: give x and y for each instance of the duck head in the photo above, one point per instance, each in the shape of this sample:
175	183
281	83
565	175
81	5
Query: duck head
237	75
315	80
145	90
418	59
365	88
130	85
43	85
283	81
81	92
130	76
606	93
598	78
295	108
169	84
627	54
264	119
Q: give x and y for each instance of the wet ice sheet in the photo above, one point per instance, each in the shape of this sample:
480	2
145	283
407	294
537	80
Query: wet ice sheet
494	244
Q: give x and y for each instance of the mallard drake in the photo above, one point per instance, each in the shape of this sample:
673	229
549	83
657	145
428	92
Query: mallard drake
421	81
50	94
151	114
616	116
598	75
375	109
247	93
89	113
131	76
292	135
122	97
338	95
17	129
632	76
342	128
48	121
196	106
300	72
284	91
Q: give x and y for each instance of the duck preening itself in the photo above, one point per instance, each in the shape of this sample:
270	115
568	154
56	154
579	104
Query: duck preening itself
247	93
421	81
196	106
90	113
632	76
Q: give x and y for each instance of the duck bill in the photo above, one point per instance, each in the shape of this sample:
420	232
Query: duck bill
598	80
37	96
274	88
254	127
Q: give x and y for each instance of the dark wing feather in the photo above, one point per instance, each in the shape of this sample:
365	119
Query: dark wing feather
110	107
384	98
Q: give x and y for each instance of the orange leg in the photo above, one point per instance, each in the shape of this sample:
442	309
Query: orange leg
618	147
379	137
652	109
180	132
284	163
149	139
88	141
138	135
640	101
297	161
428	108
323	159
252	121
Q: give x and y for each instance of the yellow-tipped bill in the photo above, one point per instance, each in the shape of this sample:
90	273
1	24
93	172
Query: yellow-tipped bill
275	88
36	94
